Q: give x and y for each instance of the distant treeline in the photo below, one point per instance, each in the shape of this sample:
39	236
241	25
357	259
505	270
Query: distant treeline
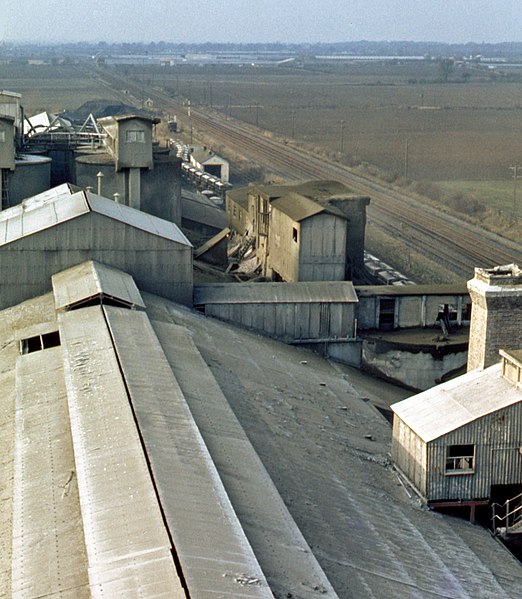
507	50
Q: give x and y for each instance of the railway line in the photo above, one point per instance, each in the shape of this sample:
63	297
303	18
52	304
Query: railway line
456	245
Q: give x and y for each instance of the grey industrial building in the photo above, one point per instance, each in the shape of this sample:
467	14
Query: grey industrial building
151	451
67	225
311	231
116	156
460	443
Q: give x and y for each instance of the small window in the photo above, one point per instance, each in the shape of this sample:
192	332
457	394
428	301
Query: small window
294	234
2	136
134	136
460	459
39	342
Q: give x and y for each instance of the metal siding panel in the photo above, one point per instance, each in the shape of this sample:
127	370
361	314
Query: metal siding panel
207	534
45	492
127	545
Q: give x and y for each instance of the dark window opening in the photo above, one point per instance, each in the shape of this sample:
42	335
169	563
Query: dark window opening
294	234
386	313
39	342
460	459
51	339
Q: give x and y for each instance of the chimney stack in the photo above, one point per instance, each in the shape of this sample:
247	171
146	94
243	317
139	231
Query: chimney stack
496	317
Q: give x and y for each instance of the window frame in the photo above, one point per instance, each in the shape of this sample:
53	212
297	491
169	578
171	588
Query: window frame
463	451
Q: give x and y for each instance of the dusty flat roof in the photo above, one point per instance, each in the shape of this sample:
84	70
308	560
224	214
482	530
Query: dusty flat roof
309	421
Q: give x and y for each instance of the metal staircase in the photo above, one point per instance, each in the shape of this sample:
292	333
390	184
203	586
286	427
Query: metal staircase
507	517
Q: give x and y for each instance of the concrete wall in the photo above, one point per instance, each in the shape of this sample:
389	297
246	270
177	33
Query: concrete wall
416	368
355	210
158	265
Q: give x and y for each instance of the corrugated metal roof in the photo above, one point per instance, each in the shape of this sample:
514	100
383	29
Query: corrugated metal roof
91	279
136	218
458	402
260	293
66	202
128	548
206	532
128	117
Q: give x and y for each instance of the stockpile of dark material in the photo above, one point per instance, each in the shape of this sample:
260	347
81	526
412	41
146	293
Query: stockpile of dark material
99	109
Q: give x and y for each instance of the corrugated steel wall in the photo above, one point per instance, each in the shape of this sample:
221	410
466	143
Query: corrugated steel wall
322	254
158	265
290	321
498	461
409	452
497	439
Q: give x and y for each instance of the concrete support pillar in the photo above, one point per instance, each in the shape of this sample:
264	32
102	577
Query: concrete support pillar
134	188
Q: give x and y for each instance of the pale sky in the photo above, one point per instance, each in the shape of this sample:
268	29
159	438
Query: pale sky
246	21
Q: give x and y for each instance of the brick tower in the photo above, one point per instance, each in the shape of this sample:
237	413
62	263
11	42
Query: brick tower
496	318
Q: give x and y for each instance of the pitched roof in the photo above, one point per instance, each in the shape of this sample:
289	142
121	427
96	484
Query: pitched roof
66	202
458	402
91	279
299	207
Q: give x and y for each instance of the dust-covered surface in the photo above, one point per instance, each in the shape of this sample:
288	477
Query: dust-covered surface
12	320
327	450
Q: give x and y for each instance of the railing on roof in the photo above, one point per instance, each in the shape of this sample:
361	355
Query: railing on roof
511	518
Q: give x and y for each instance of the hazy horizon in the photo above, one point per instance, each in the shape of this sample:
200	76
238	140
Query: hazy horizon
238	21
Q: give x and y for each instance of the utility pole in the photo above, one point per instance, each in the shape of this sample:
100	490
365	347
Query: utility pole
257	114
341	140
293	123
516	169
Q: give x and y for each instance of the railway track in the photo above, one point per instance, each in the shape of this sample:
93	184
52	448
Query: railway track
456	245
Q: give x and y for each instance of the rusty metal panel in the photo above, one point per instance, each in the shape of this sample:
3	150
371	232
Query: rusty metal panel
128	548
209	541
91	279
49	557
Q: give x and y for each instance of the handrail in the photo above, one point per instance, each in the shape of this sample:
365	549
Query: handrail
506	517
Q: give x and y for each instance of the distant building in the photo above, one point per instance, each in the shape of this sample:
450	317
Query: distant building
209	162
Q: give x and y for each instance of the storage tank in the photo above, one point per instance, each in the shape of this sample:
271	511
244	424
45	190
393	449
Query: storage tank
31	176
